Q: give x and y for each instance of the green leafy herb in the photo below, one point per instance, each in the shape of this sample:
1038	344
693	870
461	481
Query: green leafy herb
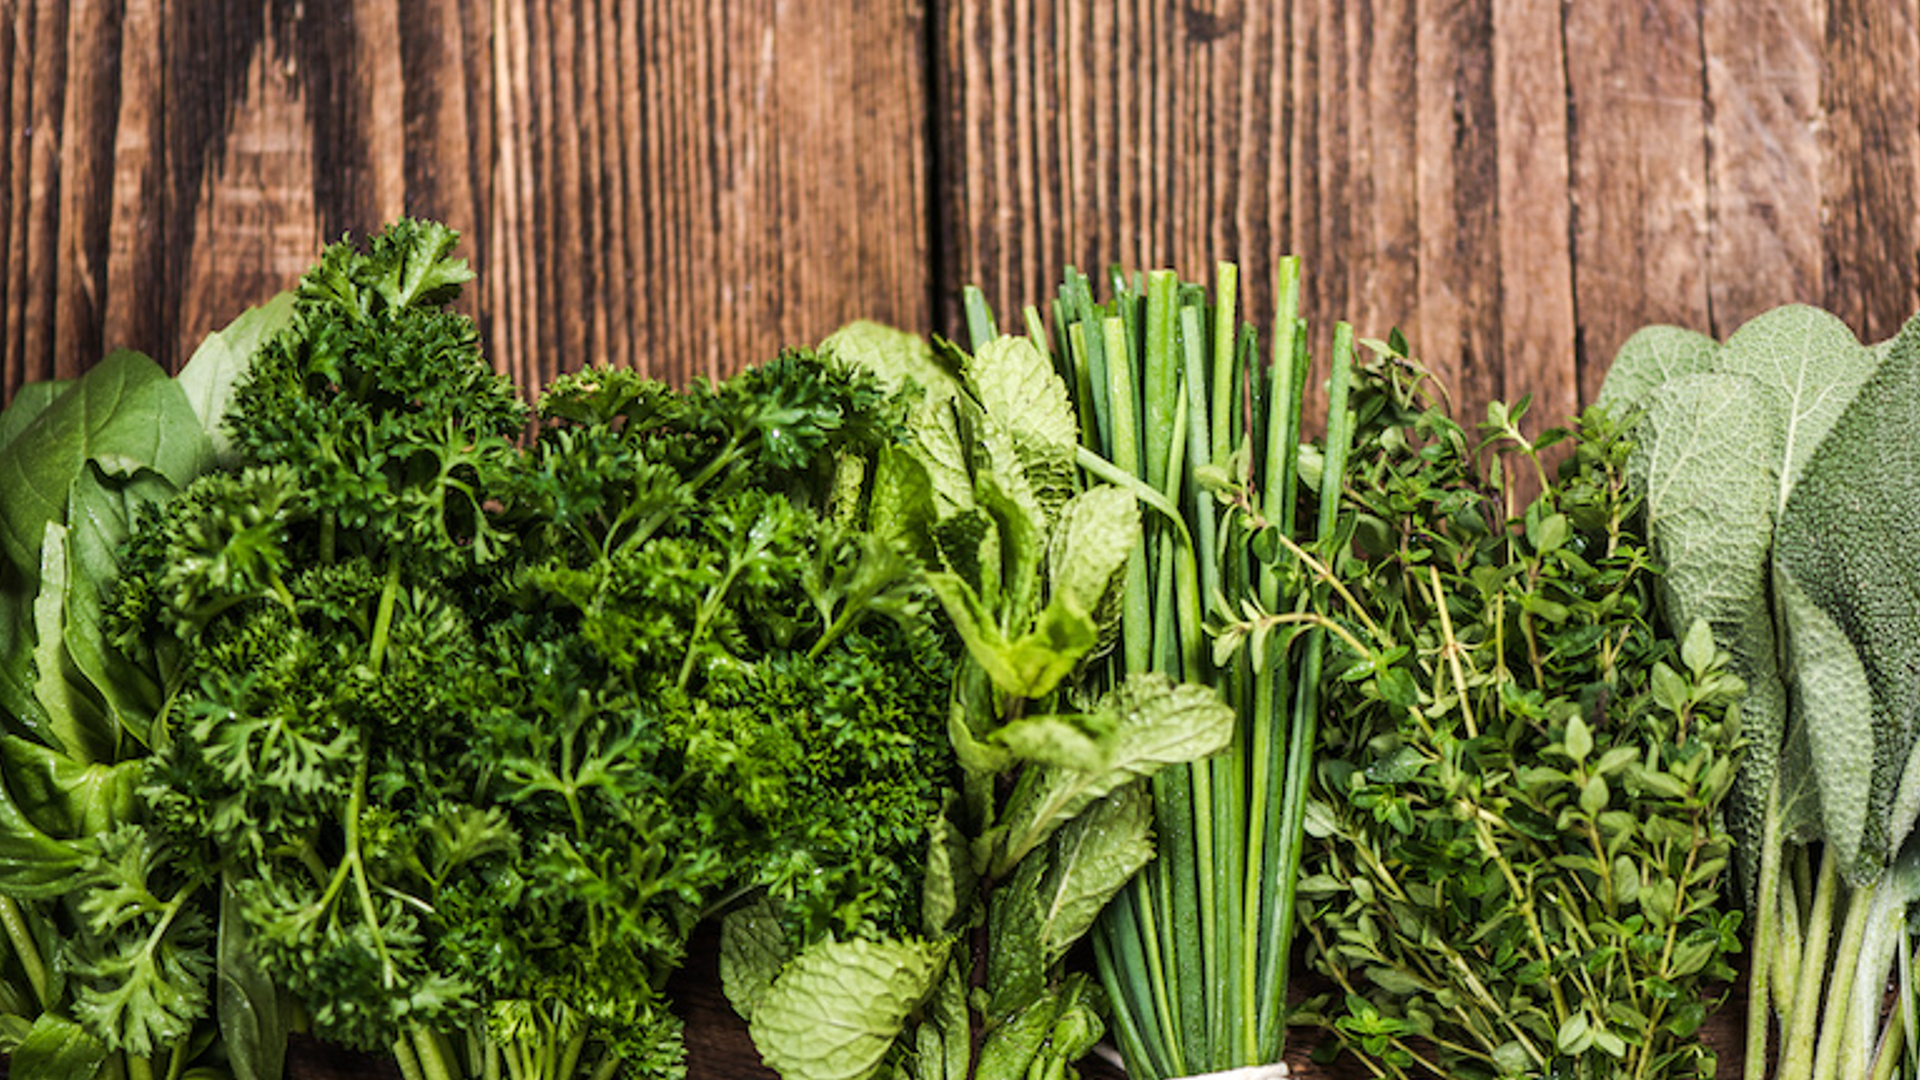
1048	820
1519	851
1776	473
110	944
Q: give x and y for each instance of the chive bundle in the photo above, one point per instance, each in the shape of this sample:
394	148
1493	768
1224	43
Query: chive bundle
1175	405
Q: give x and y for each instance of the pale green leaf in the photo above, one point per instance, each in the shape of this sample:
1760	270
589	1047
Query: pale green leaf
1575	1034
1651	358
1019	389
1021	526
1154	723
1845	551
753	949
1089	548
1810	366
1707	462
1579	741
1051	739
950	879
943	1042
1031	665
1697	649
222	360
1016	954
835	1010
1089	860
896	357
1044	1037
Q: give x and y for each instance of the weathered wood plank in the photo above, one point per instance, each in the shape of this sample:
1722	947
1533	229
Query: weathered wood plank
1097	135
1639	177
1535	254
1869	175
1763	80
680	187
1457	325
1381	259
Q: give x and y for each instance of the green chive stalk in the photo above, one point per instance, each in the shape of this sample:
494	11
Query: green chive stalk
1176	404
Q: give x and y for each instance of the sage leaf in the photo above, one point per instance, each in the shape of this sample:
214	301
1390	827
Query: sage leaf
1703	463
1651	358
1847	567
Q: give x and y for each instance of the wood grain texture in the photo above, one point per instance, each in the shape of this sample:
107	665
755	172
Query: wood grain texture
679	187
1639	137
1763	80
1872	111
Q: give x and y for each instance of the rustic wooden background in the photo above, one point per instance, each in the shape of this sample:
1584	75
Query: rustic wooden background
684	186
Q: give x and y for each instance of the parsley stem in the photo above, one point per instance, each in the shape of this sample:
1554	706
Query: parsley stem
20	936
383	615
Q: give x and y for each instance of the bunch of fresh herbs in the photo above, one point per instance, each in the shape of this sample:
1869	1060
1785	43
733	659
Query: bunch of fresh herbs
1051	816
1519	856
1176	405
453	736
1778	472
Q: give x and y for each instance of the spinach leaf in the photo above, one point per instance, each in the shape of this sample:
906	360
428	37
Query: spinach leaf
124	410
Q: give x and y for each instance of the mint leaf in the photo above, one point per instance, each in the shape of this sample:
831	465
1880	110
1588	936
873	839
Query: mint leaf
753	949
833	1013
1030	665
1019	389
898	358
1097	530
1090	859
1154	723
950	880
